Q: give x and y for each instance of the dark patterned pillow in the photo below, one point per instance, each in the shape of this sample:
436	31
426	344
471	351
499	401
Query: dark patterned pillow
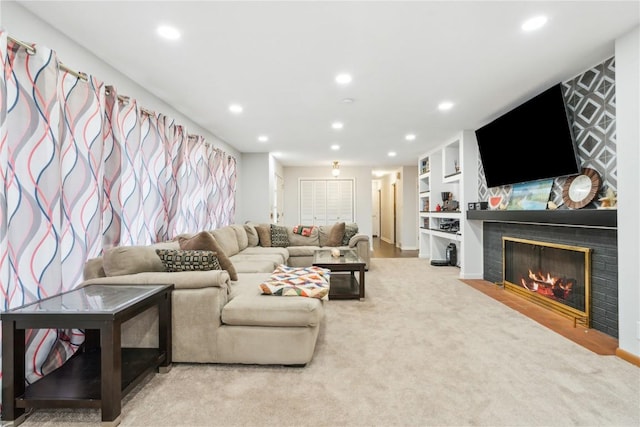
350	230
188	260
279	236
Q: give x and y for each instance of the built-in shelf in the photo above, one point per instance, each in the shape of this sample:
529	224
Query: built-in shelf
603	218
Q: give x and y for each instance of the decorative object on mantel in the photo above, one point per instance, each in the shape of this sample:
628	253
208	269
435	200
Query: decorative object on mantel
494	202
610	201
530	196
580	190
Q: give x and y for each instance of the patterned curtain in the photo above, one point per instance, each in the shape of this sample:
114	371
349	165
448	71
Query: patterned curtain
84	169
48	229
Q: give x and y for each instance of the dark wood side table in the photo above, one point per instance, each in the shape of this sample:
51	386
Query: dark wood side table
342	286
101	372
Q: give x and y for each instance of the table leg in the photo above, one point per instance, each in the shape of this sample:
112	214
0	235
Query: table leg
111	373
12	372
361	282
164	332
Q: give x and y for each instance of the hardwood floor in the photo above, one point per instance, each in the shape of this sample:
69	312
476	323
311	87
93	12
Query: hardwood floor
382	249
596	341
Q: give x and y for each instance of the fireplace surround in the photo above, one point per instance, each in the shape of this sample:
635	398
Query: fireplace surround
602	240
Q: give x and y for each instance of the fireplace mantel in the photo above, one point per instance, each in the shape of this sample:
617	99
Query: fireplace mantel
599	218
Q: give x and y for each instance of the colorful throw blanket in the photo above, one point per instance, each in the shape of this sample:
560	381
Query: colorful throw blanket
303	230
312	282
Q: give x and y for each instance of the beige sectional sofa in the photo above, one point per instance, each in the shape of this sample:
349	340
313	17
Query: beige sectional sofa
220	316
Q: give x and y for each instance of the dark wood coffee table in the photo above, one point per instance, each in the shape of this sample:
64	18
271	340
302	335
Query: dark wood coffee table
343	283
101	372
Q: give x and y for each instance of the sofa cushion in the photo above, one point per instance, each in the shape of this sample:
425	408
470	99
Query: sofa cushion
298	251
279	236
186	260
279	254
227	239
251	265
241	236
300	240
252	235
205	241
123	260
331	235
264	234
248	307
350	230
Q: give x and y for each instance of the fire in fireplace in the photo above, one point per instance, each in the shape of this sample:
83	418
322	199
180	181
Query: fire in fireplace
554	275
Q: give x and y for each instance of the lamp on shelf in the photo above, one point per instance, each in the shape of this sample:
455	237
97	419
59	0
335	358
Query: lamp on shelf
336	169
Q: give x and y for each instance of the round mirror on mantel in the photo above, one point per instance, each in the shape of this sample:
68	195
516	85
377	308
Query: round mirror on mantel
580	190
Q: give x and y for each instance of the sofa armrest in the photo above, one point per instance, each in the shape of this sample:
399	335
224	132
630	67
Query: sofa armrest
93	269
361	244
353	242
181	279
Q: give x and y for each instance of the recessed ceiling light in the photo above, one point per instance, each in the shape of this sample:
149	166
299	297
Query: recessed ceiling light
169	33
445	105
335	147
337	125
534	23
263	138
235	108
348	101
410	137
391	154
343	78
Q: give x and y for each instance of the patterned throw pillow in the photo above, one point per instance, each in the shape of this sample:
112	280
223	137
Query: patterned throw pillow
186	260
350	230
303	230
279	236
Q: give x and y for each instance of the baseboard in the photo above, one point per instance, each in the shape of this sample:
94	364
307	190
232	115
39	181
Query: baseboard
625	355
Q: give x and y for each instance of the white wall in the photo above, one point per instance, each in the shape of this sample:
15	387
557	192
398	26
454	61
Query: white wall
408	236
256	194
627	52
362	176
23	25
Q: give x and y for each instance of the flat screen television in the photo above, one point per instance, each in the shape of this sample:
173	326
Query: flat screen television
531	142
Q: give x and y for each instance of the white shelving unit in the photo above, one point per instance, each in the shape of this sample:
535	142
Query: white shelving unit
452	168
424	203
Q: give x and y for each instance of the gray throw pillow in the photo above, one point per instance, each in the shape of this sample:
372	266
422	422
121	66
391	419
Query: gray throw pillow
350	230
279	236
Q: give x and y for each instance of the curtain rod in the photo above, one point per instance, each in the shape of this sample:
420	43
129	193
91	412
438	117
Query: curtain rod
31	50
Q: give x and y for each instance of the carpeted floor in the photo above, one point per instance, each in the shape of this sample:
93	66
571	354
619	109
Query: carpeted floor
423	349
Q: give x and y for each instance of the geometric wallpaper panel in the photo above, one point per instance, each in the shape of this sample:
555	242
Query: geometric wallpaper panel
591	100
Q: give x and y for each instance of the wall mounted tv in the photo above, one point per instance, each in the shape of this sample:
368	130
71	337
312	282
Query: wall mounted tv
533	141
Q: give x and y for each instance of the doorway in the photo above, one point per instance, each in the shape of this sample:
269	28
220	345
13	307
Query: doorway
376	205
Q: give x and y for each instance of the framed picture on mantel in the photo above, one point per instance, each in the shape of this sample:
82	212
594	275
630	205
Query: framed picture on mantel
530	196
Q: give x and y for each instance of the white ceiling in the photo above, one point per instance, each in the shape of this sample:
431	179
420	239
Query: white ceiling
279	60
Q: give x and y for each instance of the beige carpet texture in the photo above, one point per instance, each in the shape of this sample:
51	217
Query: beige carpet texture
422	349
